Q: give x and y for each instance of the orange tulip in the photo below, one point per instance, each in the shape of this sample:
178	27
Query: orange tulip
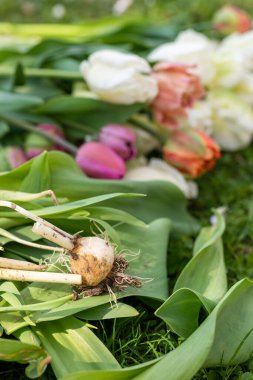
191	151
177	90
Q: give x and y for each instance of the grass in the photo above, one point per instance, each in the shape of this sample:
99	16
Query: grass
28	11
136	340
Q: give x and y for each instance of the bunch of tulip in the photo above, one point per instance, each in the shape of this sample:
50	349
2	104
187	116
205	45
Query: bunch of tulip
197	96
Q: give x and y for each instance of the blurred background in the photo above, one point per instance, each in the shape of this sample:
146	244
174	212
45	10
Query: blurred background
78	11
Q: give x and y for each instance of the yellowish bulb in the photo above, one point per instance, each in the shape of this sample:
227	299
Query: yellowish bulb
92	258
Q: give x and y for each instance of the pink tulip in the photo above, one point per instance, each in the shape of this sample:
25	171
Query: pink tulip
178	89
99	161
191	151
229	19
36	144
15	156
119	138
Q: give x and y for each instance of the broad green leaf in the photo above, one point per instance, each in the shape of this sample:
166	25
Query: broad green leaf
224	338
202	283
74	347
38	176
14	350
4	128
108	311
38	306
116	374
109	213
10	101
94	112
206	272
150	253
163	198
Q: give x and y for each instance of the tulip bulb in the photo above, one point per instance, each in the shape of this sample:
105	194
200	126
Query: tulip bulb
92	258
94	266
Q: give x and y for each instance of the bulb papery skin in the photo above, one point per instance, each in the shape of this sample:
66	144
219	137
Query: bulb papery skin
92	258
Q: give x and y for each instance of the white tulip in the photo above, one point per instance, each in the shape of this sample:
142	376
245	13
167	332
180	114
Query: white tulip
200	116
119	77
232	120
160	170
240	44
230	70
191	48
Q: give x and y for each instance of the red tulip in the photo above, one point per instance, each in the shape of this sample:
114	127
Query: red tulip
229	19
178	89
99	161
191	151
119	138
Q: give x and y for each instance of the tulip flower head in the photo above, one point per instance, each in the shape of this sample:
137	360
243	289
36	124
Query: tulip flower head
229	19
11	157
119	77
119	138
178	89
191	151
36	144
15	156
99	161
159	170
191	48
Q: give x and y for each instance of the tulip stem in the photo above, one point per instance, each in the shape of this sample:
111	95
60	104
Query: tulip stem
139	122
20	265
43	73
29	127
34	276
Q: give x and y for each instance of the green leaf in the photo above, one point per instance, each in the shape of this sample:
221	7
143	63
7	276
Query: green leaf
224	338
206	272
74	347
108	311
13	350
38	176
163	198
93	112
202	283
12	102
4	128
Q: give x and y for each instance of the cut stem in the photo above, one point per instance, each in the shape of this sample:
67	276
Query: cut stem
48	193
20	264
146	126
29	127
12	237
43	73
33	217
52	235
31	276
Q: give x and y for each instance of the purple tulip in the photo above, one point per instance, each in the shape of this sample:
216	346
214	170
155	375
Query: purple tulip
119	138
99	161
15	156
36	144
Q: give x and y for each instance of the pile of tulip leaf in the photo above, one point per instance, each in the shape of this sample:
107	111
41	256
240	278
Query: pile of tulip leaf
42	325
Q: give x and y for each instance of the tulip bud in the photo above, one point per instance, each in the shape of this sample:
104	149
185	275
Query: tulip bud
36	144
191	151
11	157
99	161
231	19
119	138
